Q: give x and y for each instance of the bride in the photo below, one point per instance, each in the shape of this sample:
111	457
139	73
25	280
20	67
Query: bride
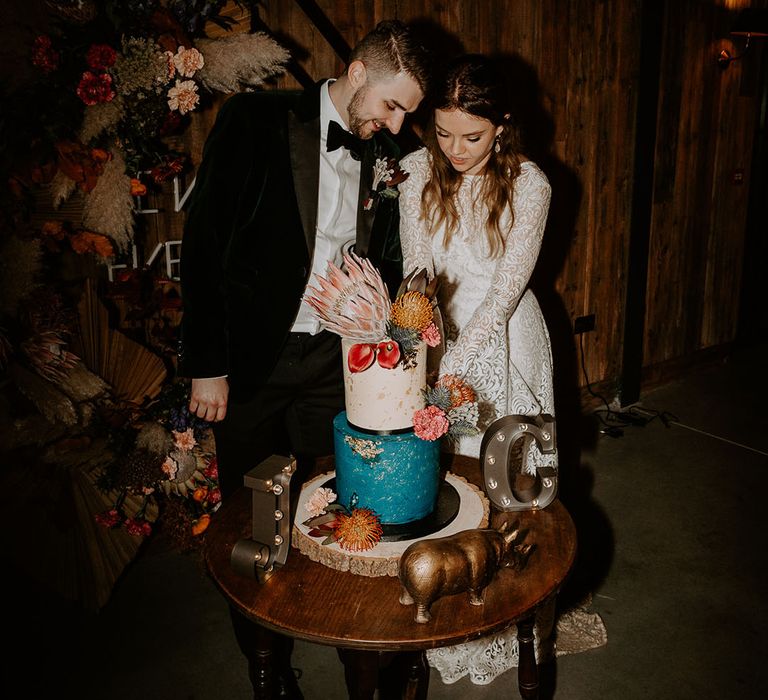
473	211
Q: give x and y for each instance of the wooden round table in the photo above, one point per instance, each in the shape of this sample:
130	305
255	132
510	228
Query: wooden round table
362	616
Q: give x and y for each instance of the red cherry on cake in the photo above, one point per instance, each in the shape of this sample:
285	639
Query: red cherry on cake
388	354
361	356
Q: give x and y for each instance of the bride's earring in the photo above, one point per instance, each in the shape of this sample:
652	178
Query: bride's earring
497	147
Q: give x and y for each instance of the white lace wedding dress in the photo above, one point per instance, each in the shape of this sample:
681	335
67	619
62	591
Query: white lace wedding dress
496	339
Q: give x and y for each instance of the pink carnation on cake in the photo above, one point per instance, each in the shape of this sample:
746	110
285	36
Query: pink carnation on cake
431	335
430	423
319	500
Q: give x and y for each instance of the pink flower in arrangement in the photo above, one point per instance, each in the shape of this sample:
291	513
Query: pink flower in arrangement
171	67
109	518
137	527
430	423
101	57
44	56
214	496
188	61
319	500
170	467
184	440
183	96
95	88
431	335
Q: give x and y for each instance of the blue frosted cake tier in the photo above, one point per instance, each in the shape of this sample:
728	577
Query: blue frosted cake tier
395	475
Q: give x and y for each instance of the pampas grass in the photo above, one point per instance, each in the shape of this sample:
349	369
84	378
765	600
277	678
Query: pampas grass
240	61
109	206
62	187
99	118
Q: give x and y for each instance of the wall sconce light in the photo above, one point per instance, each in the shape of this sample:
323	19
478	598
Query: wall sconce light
750	22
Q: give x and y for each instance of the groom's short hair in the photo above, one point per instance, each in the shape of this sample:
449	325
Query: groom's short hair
392	48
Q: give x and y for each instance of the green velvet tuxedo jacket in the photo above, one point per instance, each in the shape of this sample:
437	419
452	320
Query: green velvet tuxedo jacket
250	231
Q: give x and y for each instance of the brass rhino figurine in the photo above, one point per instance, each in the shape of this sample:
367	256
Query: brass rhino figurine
466	561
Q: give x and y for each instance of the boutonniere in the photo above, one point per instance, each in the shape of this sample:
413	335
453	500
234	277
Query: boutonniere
387	175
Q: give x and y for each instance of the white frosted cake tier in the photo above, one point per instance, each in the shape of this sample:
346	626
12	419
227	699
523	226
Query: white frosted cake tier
384	400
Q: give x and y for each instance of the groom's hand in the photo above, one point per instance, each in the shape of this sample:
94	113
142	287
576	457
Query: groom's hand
208	399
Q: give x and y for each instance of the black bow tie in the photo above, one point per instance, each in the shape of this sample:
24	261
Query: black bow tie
339	137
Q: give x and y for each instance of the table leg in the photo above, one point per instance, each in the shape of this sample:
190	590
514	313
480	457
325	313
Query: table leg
418	677
361	672
260	664
527	673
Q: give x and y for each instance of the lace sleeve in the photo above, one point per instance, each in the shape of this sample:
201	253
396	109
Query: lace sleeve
510	279
414	237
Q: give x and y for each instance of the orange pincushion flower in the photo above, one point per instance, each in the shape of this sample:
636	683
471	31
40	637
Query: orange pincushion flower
460	391
358	531
412	310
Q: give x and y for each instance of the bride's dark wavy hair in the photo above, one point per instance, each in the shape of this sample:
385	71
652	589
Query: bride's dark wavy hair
473	84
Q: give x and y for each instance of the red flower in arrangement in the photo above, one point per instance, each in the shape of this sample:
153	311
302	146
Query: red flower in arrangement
101	57
109	518
44	56
169	168
212	470
214	496
95	88
137	527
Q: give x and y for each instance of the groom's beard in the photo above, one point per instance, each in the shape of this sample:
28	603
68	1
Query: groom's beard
356	122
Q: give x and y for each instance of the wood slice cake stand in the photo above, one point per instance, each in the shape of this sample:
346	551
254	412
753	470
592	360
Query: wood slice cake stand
461	506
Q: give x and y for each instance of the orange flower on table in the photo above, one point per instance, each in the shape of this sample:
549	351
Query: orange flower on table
200	494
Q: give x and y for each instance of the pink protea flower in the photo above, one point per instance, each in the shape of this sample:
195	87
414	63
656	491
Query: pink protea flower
170	468
95	88
430	423
100	57
183	96
431	335
188	61
109	518
184	440
320	499
354	302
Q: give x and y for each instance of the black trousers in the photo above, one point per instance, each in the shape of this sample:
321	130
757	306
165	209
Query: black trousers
292	414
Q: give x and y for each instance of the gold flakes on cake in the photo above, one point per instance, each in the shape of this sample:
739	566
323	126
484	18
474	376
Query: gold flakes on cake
412	310
357	531
367	449
460	391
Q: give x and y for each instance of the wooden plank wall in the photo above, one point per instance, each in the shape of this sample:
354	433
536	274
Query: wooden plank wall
577	65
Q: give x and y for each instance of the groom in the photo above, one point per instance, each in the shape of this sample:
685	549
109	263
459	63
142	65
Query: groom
280	193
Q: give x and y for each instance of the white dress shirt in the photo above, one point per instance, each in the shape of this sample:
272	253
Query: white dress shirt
337	201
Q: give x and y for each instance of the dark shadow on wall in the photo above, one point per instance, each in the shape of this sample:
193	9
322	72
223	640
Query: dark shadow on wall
575	431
